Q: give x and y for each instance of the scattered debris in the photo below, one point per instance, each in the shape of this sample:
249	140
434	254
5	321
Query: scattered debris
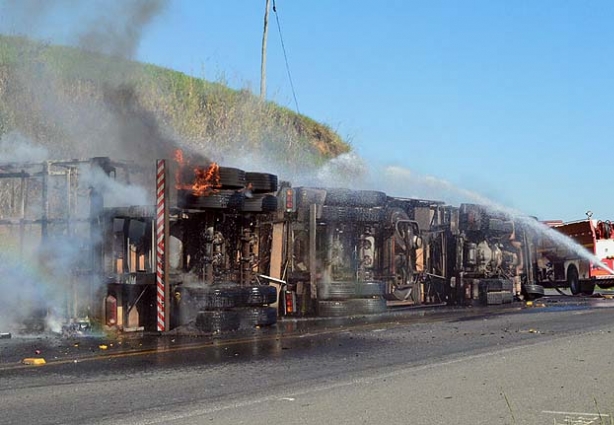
77	327
34	361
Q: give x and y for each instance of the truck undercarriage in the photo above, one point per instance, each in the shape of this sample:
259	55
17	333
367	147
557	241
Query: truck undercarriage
221	248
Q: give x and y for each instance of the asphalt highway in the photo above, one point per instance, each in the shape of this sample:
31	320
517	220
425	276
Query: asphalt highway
513	365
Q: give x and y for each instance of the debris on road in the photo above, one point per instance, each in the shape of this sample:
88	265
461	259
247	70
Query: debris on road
77	327
33	361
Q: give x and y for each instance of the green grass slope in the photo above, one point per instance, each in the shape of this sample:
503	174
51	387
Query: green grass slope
82	104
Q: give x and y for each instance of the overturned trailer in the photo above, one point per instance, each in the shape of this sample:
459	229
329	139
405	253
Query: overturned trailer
49	213
221	248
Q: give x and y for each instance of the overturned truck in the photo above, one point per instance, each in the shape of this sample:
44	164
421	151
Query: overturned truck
221	248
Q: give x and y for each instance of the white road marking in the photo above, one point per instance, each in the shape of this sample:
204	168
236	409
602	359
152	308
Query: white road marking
603	415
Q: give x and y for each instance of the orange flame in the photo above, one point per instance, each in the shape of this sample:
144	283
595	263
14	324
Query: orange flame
204	180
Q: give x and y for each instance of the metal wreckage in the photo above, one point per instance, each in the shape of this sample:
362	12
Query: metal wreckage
222	249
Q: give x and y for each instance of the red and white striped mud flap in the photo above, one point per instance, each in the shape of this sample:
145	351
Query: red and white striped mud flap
160	222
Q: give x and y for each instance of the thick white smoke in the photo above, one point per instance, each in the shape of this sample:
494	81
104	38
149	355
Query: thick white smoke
15	147
45	274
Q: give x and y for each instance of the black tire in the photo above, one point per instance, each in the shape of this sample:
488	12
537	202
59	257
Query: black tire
334	214
232	178
184	309
346	290
214	298
260	295
370	289
257	316
355	198
351	307
354	214
368	214
261	182
223	199
338	197
573	280
260	203
532	291
336	291
588	288
217	321
371	198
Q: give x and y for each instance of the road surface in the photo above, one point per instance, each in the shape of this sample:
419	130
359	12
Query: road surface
515	366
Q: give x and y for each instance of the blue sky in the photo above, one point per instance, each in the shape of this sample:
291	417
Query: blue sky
510	99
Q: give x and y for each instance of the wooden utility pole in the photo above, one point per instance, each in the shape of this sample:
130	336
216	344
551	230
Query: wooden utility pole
263	61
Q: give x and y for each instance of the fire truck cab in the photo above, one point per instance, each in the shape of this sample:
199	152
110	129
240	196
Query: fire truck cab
561	265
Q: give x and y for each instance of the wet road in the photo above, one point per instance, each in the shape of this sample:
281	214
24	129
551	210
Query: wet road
514	365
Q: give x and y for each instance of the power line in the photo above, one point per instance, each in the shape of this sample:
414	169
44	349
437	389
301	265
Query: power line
283	48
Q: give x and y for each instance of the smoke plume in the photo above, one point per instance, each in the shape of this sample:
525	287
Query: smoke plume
103	116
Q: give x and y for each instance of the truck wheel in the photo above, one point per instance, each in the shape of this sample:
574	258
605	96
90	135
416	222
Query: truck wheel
588	288
370	289
338	197
260	295
369	214
232	178
257	316
532	291
215	298
354	198
261	182
346	290
219	200
573	280
334	213
333	308
217	321
260	203
370	198
335	291
351	307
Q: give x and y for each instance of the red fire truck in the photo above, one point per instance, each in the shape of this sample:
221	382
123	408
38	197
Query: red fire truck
580	266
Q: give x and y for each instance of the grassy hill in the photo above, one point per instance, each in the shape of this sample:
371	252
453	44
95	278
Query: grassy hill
81	104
